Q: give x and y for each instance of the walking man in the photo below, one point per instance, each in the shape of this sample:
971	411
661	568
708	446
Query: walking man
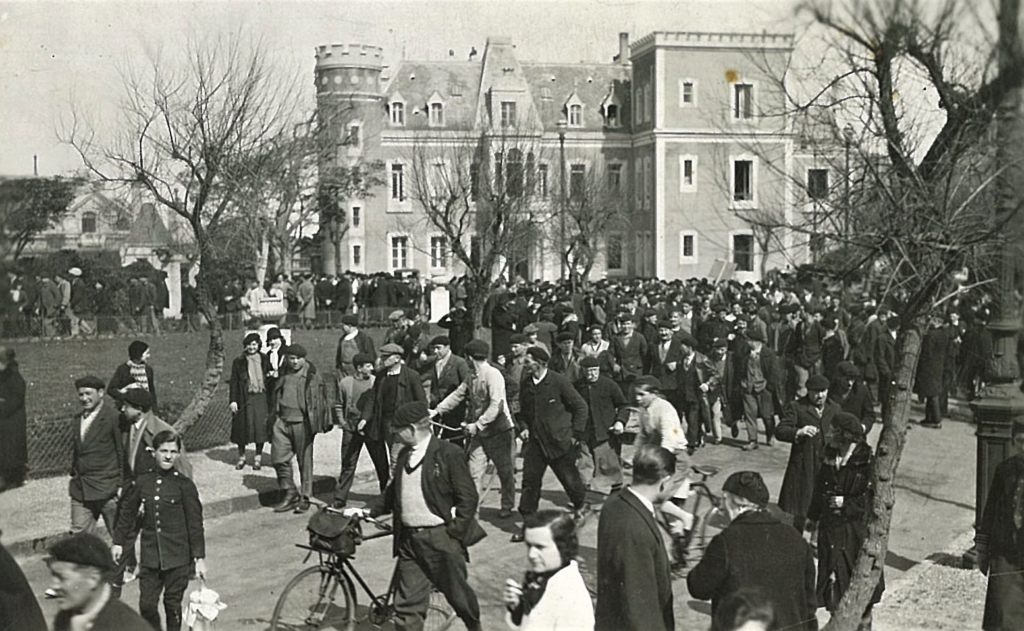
97	459
354	392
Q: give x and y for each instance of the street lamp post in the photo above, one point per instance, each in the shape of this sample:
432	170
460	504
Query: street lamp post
562	125
848	136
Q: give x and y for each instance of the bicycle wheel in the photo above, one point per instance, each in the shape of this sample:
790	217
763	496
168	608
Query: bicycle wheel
709	526
440	615
317	598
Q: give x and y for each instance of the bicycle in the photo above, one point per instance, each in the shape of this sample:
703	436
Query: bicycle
711	522
324	596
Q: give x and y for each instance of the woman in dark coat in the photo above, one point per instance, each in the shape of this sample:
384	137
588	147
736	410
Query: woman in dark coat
248	394
13	422
930	380
843	493
134	373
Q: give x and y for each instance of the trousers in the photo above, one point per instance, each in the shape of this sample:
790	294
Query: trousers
497	448
85	515
351	446
758	404
430	557
288	440
172	583
535	464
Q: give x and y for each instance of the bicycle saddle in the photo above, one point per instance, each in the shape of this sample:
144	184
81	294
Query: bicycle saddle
705	470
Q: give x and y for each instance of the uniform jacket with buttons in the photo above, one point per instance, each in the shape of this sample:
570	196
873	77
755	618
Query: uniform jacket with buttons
171	524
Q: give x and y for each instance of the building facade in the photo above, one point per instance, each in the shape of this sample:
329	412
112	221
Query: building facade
684	137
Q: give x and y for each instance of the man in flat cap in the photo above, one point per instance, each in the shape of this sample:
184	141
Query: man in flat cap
434	503
757	552
565	358
664	361
853	396
81	567
354	392
805	423
448	371
352	342
299	407
137	411
97	458
754	386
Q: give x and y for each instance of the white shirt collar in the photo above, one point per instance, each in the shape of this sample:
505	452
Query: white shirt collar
646	502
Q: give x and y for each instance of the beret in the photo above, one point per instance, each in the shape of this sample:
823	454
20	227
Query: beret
252	337
391	349
848	369
649	381
749	485
538	354
410	414
650	312
664	324
565	336
848	423
477	349
686	339
274	333
138	398
720	343
817	382
518	338
362	358
350	319
531	328
754	334
89	381
295	350
440	340
396	314
590	362
83	549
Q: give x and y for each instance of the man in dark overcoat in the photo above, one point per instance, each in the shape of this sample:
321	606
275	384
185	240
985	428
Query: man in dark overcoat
754	386
634	584
757	552
394	385
852	395
929	381
13	422
805	423
606	415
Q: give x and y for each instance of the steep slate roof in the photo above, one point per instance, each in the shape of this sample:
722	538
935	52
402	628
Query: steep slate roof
148	228
416	81
591	82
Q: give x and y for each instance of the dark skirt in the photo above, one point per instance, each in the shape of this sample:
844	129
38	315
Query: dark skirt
249	425
1004	600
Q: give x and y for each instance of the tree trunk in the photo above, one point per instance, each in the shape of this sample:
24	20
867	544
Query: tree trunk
871	559
215	353
262	260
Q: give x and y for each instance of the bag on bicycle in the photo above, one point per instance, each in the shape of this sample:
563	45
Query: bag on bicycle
330	532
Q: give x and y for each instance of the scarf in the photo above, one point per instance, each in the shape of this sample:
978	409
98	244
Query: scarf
534	585
255	365
138	372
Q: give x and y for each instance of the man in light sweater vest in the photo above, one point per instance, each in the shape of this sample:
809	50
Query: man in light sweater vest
353	392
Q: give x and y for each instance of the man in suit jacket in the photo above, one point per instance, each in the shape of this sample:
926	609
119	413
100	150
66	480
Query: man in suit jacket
394	385
351	343
434	501
607	412
97	460
143	426
448	371
756	386
805	424
759	553
634	584
665	357
852	395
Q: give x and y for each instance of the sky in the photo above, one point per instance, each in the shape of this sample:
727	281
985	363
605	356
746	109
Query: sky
53	54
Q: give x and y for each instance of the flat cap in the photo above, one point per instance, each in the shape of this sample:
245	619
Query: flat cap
410	414
83	549
755	335
565	336
350	319
295	350
749	485
391	349
848	369
686	339
720	342
539	354
664	324
89	381
477	349
649	381
138	398
531	328
590	362
397	314
362	358
817	382
518	338
441	340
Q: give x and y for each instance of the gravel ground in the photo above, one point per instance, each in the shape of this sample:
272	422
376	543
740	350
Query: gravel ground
936	595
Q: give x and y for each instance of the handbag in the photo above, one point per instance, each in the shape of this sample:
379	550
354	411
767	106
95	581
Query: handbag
334	533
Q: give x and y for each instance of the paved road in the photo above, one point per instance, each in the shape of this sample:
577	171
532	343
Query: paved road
251	555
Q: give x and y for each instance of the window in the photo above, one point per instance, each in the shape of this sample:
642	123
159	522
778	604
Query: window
648	182
399	252
436	115
639	114
575	115
88	222
687	247
687	174
648	103
611	115
357	255
398	113
687	93
357	216
743	101
614	252
508	113
817	183
398	182
542	181
743	252
615	178
743	181
514	173
438	252
474	181
638	182
577	180
352	136
438	180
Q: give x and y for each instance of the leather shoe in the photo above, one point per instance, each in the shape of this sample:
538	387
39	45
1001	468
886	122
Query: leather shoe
504	513
735	431
302	507
338	505
750	447
288	503
518	536
770	441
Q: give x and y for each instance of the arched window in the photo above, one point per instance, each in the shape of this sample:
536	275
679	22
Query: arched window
88	222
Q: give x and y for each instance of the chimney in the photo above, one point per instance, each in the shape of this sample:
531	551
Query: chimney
472	53
35	165
623	56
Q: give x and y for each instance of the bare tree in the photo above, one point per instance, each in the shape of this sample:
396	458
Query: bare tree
479	192
186	131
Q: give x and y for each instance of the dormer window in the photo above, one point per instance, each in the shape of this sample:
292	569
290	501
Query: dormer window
436	114
508	114
612	109
575	116
397	109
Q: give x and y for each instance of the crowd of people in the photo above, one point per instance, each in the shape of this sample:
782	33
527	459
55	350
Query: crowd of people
569	381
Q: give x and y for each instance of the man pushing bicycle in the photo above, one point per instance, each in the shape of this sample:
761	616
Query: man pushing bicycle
434	500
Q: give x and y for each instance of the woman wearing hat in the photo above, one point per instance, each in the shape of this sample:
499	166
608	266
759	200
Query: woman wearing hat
134	373
248	390
843	493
